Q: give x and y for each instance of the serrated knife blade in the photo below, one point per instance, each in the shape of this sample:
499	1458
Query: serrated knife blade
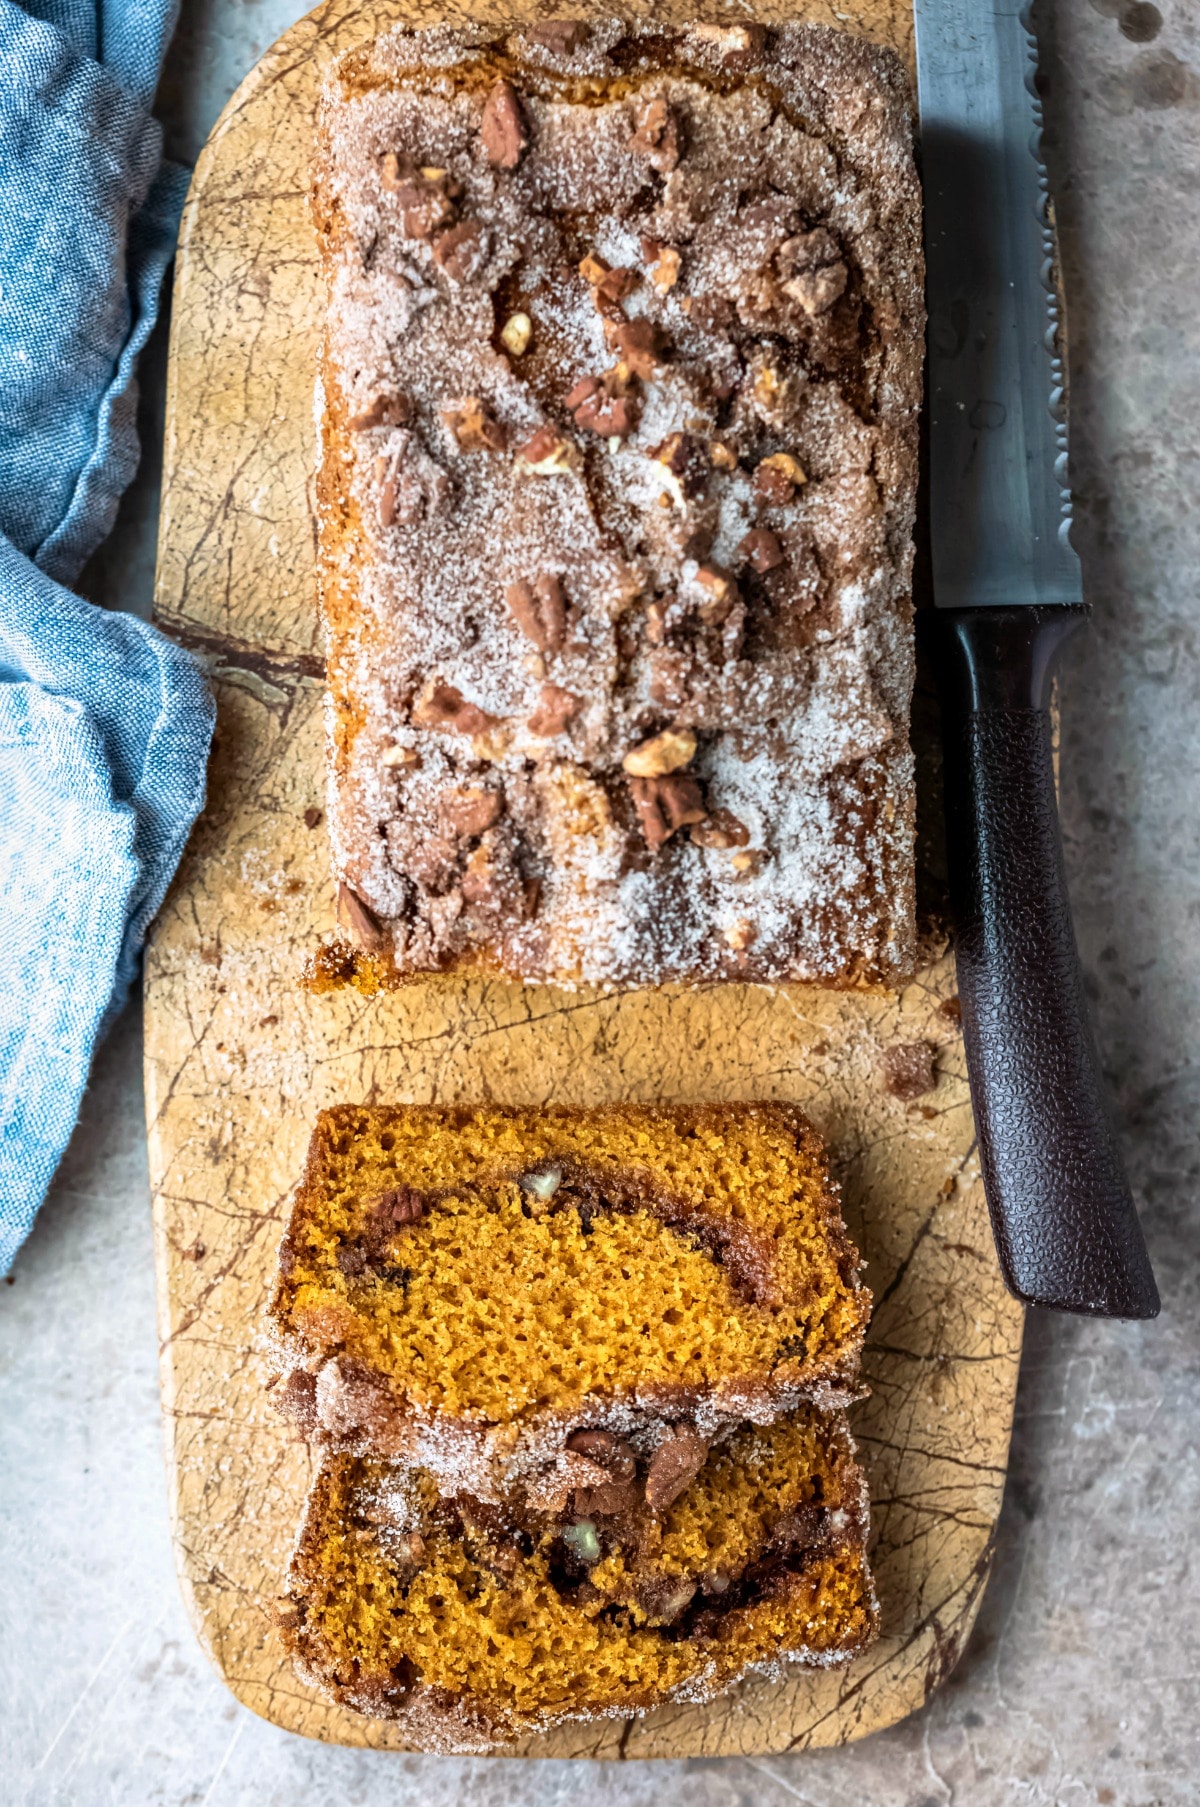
999	506
1008	592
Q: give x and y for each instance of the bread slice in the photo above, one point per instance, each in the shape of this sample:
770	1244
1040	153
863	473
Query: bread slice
471	1623
464	1288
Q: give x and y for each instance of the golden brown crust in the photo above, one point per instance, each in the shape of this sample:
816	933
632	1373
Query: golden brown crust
781	847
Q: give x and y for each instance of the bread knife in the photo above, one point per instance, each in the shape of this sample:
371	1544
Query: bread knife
1007	592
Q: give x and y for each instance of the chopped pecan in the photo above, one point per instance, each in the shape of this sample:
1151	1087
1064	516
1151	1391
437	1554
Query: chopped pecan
656	135
412	485
817	290
778	478
583	391
502	127
682	455
468	810
548	454
482	881
740	935
736	43
761	550
664	266
516	333
813	271
556	708
665	805
600	405
399	756
638	344
561	37
386	410
720	594
423	197
607	283
539	609
392	1209
907	1072
462	252
722	830
608	1497
666	752
677	1461
360	919
474	426
722	456
446	707
606	1450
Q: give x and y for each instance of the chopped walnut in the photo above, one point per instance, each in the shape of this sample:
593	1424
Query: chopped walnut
666	752
656	135
539	609
548	454
516	333
462	252
761	550
445	707
722	830
360	919
722	456
468	810
665	805
778	478
502	127
556	708
740	935
474	426
388	409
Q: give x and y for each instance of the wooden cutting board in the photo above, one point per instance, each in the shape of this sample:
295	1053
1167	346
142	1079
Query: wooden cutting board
238	1058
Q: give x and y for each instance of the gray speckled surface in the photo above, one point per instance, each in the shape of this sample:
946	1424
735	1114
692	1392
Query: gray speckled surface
1082	1682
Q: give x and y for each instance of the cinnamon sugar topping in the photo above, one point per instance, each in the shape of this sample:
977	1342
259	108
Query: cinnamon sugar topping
620	389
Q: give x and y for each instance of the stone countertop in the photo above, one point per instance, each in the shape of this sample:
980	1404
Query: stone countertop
1081	1683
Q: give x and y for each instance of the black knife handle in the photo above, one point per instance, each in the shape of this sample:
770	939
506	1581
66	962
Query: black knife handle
1065	1226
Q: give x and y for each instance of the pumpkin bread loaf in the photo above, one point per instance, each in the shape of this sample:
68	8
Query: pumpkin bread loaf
618	403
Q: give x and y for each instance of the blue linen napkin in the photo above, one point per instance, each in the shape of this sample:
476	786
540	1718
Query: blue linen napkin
104	724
